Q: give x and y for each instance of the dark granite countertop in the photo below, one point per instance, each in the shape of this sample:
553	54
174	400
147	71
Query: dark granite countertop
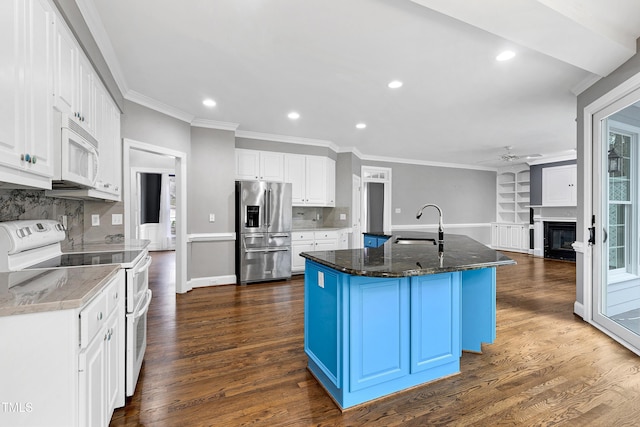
397	260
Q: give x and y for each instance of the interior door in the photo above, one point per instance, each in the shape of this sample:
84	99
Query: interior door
616	273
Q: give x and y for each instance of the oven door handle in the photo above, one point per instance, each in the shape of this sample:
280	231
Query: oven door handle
144	267
144	309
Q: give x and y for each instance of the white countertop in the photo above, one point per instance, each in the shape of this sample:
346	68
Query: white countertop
32	291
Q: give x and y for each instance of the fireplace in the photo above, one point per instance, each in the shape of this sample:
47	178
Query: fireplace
558	239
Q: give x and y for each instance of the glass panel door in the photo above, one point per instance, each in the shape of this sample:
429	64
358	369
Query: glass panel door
616	304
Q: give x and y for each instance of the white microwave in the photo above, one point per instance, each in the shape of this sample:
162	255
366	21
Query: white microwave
77	161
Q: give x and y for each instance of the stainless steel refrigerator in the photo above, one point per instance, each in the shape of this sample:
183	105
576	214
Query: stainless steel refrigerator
263	231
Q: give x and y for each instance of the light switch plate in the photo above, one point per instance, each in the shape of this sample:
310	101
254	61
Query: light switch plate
212	217
343	217
321	279
95	220
398	210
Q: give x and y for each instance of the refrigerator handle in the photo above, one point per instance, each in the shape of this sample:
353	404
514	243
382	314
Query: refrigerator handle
266	207
269	208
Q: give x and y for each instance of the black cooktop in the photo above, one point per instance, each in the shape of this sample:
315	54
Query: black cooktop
92	258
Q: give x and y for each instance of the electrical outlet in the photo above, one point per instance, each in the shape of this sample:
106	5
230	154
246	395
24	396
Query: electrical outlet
343	217
116	219
398	210
95	220
212	217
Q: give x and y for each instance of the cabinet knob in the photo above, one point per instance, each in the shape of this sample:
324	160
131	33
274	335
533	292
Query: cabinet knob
33	160
99	316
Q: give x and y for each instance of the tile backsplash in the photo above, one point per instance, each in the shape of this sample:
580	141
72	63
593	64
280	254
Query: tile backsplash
33	204
312	217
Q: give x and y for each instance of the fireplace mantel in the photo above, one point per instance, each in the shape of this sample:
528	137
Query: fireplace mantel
542	214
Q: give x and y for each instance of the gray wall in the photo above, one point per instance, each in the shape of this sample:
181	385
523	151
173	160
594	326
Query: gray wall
600	88
466	196
211	189
535	173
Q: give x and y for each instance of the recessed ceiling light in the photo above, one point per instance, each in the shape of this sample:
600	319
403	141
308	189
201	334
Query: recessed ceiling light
209	103
293	115
505	56
395	84
361	125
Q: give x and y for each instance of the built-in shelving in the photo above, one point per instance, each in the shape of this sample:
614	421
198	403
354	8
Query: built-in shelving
511	229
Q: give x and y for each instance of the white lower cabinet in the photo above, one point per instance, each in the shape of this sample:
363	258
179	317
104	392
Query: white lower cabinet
510	237
65	367
309	241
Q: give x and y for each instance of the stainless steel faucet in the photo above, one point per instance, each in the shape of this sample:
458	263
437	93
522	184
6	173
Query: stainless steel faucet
440	226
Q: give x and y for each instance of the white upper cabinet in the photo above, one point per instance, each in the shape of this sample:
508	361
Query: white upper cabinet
39	87
259	165
294	172
271	166
75	80
312	179
316	181
25	89
66	69
559	186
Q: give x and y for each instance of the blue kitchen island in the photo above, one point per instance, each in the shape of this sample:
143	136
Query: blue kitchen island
379	320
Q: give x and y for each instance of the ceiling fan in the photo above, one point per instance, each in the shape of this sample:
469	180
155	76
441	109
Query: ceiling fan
509	156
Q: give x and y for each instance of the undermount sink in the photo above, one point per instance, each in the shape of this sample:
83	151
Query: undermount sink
410	241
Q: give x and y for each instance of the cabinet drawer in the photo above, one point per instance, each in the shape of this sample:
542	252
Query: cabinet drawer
92	318
332	234
298	236
114	294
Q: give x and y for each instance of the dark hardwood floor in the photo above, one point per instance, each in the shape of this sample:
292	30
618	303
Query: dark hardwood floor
233	356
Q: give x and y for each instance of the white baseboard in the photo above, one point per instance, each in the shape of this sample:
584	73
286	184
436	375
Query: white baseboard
578	309
201	282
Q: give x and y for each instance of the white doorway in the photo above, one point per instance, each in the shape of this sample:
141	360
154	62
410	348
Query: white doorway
180	169
356	200
376	199
160	231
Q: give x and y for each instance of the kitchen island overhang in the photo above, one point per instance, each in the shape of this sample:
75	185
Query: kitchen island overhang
382	320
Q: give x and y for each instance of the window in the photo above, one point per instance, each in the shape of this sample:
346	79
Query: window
621	199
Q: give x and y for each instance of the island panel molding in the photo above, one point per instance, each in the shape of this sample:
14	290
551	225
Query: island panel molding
379	320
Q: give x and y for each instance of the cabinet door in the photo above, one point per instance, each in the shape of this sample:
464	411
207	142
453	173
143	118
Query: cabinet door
331	182
504	236
272	166
66	64
326	245
379	331
294	172
515	238
11	16
435	320
559	186
39	88
316	181
113	370
297	262
86	94
247	164
91	382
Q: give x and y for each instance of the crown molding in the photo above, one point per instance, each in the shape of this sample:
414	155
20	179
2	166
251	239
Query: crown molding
287	139
214	124
154	104
427	163
353	150
553	159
